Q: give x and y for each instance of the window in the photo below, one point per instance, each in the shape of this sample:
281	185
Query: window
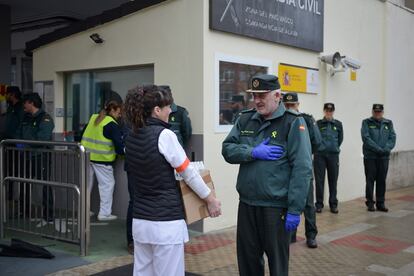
234	79
87	92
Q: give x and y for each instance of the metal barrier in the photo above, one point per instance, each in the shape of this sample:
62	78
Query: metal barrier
44	190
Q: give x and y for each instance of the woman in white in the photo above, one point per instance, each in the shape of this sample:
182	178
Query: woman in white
153	153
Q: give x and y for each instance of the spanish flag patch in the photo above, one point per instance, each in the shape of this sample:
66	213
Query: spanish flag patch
302	127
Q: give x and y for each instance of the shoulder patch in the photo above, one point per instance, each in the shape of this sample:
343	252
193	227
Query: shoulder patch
47	118
307	115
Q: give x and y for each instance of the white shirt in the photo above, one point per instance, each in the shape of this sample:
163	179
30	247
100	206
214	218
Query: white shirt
175	231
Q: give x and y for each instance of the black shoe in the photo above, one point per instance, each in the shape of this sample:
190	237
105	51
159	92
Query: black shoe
318	210
382	208
293	239
311	243
334	210
371	208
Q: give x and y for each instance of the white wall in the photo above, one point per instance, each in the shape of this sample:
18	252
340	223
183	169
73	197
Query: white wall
359	29
168	35
175	36
399	72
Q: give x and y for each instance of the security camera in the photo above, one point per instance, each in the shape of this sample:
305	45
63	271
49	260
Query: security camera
334	59
351	63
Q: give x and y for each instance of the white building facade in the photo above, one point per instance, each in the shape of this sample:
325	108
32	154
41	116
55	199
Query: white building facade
171	43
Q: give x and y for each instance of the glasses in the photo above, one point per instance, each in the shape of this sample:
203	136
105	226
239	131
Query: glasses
378	111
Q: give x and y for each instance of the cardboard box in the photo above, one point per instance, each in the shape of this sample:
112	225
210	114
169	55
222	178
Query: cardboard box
195	208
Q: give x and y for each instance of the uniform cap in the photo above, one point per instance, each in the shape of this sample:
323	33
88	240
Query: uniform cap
290	98
264	83
329	106
378	107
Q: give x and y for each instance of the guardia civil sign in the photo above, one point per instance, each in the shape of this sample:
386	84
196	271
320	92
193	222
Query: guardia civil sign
297	23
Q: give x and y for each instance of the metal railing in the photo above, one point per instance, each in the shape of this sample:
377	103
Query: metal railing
44	190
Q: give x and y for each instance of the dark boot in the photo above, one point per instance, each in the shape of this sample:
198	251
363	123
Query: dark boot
311	243
370	206
381	207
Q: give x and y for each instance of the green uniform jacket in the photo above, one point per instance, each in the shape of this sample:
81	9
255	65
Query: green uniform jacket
314	134
14	118
332	134
378	138
180	124
282	183
37	127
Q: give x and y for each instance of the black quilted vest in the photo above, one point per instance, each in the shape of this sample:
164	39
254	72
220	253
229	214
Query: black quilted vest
155	192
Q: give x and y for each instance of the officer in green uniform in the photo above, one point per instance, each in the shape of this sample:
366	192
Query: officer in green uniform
272	146
38	125
15	113
327	158
180	121
291	101
14	118
378	137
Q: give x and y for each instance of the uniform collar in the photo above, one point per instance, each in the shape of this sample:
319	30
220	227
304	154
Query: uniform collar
37	113
173	107
379	121
280	110
326	120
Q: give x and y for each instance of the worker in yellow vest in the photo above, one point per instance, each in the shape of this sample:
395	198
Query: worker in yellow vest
102	138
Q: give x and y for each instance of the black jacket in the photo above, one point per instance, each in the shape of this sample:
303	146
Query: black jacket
156	196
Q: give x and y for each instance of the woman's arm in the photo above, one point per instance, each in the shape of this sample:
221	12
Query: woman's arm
173	152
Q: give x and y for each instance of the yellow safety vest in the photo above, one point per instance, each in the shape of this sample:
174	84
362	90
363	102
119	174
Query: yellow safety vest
101	148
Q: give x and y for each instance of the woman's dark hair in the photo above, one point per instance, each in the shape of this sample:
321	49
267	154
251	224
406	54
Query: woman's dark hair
109	106
140	102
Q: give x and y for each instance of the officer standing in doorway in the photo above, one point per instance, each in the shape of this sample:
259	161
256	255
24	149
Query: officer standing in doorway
38	125
180	121
327	158
272	147
14	118
378	137
291	101
15	112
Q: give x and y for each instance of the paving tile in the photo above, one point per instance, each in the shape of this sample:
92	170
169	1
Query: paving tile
341	233
372	243
352	243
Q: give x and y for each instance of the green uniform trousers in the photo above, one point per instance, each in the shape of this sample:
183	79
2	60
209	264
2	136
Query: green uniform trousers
262	230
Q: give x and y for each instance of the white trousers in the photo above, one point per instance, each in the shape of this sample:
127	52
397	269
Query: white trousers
158	260
106	183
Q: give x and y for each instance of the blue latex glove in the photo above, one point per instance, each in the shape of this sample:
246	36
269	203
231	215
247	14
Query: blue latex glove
292	222
20	146
265	152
